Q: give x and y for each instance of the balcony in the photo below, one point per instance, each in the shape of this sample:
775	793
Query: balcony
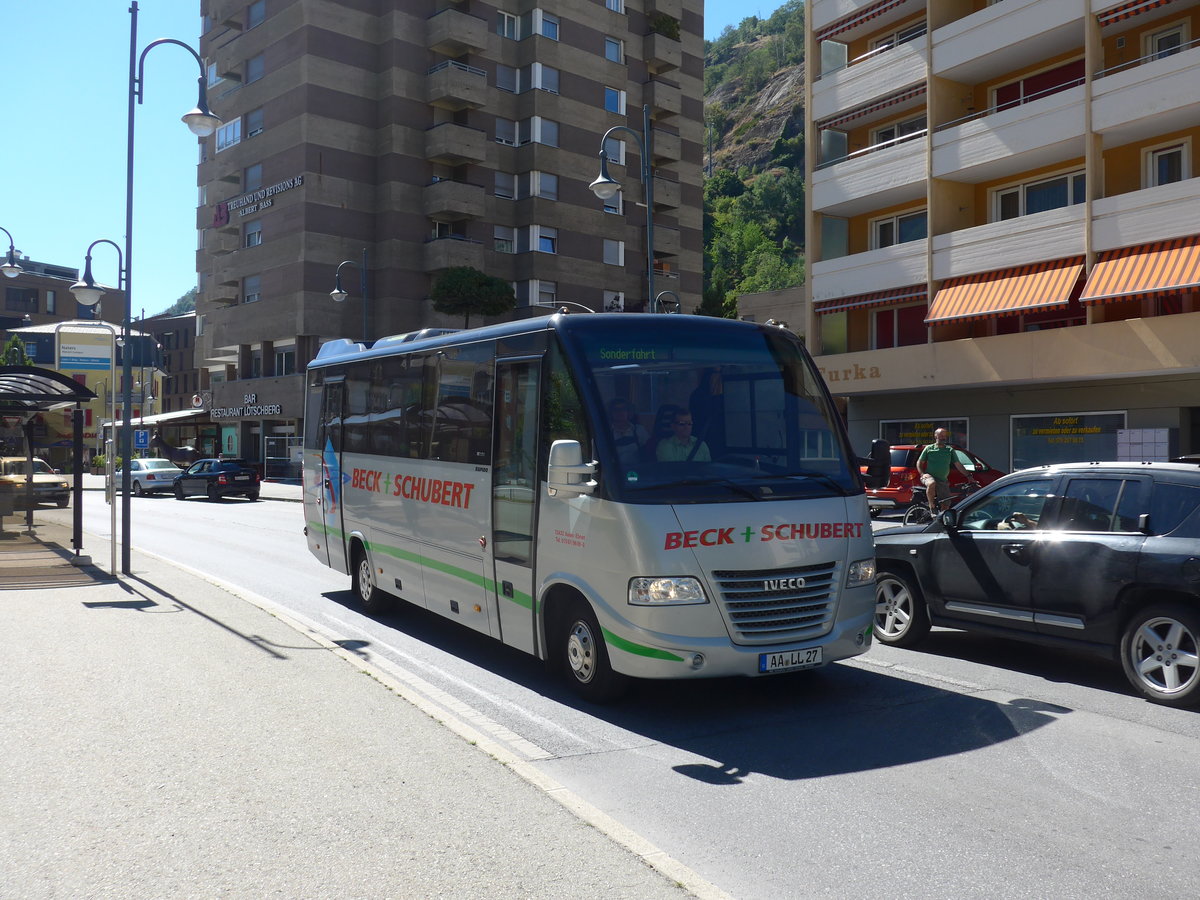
666	194
879	176
1140	217
865	273
1014	140
668	148
661	53
455	145
664	99
857	85
1165	345
666	241
445	253
455	86
223	294
672	8
452	201
1054	234
218	243
225	276
1157	97
1006	37
453	33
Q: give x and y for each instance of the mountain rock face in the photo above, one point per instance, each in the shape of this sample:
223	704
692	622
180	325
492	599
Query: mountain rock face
773	112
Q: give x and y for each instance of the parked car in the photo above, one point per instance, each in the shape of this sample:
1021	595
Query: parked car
149	476
49	486
905	479
217	478
1101	557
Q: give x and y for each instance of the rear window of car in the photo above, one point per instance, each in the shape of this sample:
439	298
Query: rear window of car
904	459
230	465
1170	505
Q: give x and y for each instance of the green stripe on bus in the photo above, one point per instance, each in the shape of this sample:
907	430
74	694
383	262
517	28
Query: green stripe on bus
637	649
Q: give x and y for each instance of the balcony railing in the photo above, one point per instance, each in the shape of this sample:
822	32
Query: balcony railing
874	148
1148	58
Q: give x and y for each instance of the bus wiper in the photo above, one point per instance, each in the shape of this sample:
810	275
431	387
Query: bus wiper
694	482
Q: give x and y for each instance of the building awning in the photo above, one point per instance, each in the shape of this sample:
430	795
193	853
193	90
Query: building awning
1126	10
874	107
857	18
1161	267
909	294
179	417
1006	292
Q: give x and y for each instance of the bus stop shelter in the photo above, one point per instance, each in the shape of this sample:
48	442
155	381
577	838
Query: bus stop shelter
26	392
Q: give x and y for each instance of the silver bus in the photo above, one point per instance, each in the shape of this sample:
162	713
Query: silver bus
622	495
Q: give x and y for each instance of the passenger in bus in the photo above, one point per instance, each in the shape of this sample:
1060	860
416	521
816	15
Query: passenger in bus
628	435
681	446
660	431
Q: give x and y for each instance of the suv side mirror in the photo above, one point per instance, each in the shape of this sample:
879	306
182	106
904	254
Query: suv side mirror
879	464
566	472
949	519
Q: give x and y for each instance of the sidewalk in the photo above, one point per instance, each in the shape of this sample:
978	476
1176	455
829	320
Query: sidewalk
269	490
163	737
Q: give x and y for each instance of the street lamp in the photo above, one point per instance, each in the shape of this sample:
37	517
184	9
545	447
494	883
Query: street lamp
661	299
201	122
11	267
605	187
340	295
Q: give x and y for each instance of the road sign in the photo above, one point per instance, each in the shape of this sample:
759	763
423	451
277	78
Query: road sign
141	439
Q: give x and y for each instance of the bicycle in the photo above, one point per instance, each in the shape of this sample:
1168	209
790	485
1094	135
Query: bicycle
920	514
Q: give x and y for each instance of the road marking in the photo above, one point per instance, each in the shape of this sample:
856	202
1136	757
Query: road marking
909	670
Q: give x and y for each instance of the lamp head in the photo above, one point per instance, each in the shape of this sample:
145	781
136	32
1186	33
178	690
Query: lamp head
11	267
201	121
337	293
604	186
85	290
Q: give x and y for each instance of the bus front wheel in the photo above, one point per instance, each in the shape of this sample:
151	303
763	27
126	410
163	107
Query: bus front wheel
585	656
373	600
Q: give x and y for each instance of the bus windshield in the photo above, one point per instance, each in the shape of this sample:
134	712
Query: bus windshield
693	412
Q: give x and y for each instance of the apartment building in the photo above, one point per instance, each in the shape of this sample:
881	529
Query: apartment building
1003	234
405	137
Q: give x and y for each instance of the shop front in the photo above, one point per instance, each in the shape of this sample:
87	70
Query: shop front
261	420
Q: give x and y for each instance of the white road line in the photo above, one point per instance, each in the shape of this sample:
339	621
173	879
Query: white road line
919	673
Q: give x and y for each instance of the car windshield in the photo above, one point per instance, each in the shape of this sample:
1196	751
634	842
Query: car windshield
19	467
699	414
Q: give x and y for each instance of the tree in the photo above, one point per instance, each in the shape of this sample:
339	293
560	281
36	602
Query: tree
14	352
462	290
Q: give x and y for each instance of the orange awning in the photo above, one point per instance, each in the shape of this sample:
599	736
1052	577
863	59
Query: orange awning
1006	292
875	298
1161	267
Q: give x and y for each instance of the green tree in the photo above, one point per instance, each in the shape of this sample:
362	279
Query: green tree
462	290
14	352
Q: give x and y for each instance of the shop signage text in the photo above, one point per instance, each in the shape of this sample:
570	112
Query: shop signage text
249	409
253	201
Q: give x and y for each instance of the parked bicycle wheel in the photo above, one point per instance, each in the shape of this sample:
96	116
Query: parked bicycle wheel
918	514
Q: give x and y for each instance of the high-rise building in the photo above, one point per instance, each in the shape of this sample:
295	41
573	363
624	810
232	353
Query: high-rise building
405	137
1002	222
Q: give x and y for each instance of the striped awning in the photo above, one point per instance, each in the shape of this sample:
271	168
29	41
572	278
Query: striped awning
908	294
1161	267
1127	10
857	18
1006	292
898	97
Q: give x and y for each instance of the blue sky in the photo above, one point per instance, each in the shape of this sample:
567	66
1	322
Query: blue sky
65	71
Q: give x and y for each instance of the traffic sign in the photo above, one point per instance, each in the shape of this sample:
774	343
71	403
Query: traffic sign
141	439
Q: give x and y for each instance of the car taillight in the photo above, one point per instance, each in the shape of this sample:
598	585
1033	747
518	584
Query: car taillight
221	480
908	476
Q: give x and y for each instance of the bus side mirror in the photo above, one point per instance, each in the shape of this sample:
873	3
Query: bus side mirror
879	464
567	471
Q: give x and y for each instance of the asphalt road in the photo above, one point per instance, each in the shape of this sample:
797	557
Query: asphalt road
971	768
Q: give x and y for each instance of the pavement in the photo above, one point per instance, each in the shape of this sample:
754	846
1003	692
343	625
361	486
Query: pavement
164	735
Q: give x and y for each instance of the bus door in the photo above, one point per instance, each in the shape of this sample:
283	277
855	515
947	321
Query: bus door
515	497
329	483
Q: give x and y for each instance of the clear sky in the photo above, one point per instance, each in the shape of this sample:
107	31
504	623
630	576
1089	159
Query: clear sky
65	71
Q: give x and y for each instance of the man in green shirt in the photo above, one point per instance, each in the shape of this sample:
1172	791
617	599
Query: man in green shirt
682	444
934	467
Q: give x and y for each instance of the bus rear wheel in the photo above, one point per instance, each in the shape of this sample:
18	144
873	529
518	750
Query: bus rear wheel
585	656
373	600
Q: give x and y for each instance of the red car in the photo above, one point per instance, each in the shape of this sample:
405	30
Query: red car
905	478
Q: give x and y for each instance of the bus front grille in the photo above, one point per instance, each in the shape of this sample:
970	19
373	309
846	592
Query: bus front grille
770	606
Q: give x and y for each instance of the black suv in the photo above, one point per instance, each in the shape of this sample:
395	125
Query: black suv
1092	556
217	478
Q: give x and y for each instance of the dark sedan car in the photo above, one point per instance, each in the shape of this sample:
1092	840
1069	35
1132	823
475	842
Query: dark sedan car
1102	557
217	478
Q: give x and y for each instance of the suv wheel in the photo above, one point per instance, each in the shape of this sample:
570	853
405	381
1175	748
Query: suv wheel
1160	654
900	615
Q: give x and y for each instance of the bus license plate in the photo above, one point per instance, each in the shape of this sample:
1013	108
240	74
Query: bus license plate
790	661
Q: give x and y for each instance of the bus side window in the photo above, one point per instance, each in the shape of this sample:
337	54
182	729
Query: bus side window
563	416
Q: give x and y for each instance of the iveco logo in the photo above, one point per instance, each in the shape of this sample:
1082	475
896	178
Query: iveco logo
783	584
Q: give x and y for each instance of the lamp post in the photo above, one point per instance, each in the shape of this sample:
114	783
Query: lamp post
605	187
11	267
201	122
340	295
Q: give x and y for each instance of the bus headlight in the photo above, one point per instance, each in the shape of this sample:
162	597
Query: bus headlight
860	573
665	591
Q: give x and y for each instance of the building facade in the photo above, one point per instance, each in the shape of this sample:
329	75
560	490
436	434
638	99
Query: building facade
1002	223
405	137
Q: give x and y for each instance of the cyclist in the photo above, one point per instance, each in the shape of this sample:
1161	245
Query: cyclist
934	467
